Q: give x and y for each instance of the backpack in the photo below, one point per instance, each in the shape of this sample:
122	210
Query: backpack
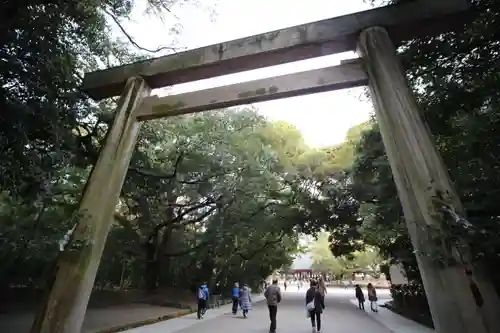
201	293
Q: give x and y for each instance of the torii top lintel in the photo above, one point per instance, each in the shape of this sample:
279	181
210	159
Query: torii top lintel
403	21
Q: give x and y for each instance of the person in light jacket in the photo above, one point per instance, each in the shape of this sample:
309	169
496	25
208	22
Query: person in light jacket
315	305
322	288
245	300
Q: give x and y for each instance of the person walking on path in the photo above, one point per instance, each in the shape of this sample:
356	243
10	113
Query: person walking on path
314	305
236	297
202	300
372	297
322	288
216	295
245	300
273	298
361	297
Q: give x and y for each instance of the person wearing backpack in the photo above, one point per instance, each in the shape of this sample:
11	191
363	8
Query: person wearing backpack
202	300
273	297
315	305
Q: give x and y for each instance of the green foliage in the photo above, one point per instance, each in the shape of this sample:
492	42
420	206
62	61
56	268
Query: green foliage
364	261
323	260
45	47
343	155
457	79
214	196
219	196
223	196
207	188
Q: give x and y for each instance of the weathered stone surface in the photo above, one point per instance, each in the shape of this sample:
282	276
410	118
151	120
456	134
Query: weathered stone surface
314	81
339	34
420	176
64	308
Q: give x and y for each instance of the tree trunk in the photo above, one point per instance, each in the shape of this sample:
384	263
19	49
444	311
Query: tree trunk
420	174
164	261
151	245
122	275
151	274
73	277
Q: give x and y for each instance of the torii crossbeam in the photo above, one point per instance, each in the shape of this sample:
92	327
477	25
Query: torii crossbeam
415	162
331	36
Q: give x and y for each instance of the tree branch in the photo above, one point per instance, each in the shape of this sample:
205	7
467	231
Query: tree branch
180	216
151	173
201	179
124	222
178	219
187	251
196	220
258	211
132	41
262	248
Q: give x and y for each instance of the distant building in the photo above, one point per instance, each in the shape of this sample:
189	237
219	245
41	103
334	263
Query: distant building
302	266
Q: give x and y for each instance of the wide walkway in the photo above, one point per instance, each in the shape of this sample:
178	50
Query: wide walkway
340	315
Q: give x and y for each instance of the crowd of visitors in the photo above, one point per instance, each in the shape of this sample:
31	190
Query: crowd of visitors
241	297
314	300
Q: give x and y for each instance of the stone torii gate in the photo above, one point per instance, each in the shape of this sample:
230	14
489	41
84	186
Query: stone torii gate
417	167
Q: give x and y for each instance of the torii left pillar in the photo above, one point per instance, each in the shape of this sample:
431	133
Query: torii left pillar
64	308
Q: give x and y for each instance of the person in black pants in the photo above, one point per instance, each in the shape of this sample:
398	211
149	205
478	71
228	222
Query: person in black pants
273	297
236	297
315	305
202	300
273	312
202	306
361	297
216	295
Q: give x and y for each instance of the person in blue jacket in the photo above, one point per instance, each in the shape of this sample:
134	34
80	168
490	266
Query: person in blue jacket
202	296
236	297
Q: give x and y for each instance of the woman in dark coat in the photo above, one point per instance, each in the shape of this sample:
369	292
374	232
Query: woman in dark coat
315	305
361	297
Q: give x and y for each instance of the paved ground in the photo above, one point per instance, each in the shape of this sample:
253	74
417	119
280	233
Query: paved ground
95	319
341	315
397	323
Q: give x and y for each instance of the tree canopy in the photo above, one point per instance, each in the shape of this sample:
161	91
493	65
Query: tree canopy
366	261
224	195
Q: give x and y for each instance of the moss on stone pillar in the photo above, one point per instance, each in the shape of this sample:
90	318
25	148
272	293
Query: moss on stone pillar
426	191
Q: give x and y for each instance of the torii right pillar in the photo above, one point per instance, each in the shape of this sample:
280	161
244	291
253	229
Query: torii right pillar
420	174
